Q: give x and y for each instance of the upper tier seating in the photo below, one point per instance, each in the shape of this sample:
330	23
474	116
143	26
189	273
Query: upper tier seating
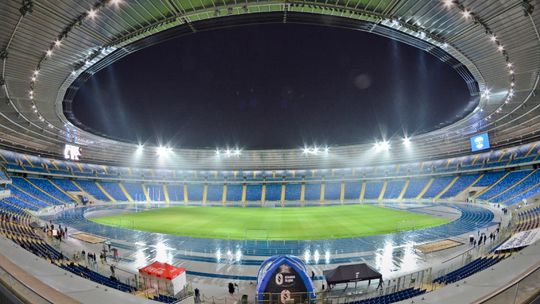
489	179
114	190
416	185
155	192
65	184
312	192
373	190
253	192
461	184
26	186
195	192
518	155
531	192
292	192
505	183
393	189
273	192
332	191
215	193
438	185
26	198
135	190
92	188
517	188
49	188
234	193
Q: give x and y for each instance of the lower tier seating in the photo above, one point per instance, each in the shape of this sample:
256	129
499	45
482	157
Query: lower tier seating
392	297
468	270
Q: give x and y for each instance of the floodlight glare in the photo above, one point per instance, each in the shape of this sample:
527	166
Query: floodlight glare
237	152
326	149
406	141
140	148
161	150
385	145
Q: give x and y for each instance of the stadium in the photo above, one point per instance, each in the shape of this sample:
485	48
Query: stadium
305	198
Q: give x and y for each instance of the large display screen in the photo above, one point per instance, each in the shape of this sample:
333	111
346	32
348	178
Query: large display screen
480	142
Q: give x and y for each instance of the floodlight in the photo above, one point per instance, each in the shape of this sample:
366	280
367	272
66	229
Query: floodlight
237	152
140	148
448	3
307	255
385	145
238	255
326	149
316	256
161	150
406	141
92	13
305	150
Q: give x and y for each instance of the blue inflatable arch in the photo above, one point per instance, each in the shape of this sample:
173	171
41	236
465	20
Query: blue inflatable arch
272	264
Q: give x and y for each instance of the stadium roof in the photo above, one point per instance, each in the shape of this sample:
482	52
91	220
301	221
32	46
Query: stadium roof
46	46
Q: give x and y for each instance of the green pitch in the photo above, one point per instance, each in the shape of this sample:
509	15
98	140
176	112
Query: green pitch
295	223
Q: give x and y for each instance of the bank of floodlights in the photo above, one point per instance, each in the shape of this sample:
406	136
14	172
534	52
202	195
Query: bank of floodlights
228	152
315	150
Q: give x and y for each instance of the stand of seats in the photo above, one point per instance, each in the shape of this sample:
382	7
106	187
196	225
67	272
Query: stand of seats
529	219
468	270
392	297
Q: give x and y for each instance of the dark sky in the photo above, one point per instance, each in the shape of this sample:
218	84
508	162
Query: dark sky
271	86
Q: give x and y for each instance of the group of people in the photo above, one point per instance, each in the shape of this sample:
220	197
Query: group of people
482	237
58	233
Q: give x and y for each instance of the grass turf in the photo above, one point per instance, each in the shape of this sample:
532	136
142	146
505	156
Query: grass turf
294	223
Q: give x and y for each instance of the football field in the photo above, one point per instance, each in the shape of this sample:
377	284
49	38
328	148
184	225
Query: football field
292	223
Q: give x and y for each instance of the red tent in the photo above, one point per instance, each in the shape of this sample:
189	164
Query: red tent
163	277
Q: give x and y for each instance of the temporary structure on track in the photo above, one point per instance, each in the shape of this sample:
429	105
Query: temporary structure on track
351	274
166	279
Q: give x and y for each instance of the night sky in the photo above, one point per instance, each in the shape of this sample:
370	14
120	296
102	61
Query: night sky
271	86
